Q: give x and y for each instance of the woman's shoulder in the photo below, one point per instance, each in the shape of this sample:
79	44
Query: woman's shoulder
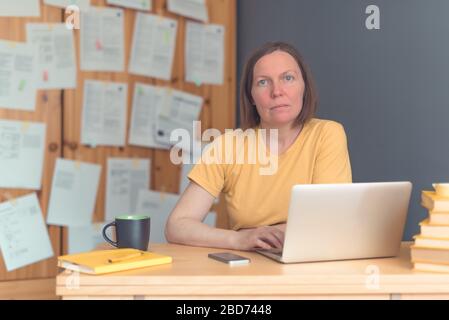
324	126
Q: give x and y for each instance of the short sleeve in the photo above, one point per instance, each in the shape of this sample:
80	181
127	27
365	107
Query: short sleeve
332	164
208	173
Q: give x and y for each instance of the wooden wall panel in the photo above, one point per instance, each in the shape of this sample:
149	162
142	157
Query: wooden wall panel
72	114
62	111
218	110
48	110
223	98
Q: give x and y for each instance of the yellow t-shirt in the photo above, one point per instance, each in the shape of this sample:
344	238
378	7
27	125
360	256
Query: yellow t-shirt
318	155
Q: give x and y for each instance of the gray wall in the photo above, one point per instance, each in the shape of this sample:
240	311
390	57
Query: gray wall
388	87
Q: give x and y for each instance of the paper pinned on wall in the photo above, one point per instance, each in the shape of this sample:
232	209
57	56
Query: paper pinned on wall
145	5
142	130
18	75
73	193
102	38
184	181
158	206
23	235
195	9
56	55
204	53
153	47
211	219
21	154
179	111
125	177
81	4
188	162
104	113
22	8
85	238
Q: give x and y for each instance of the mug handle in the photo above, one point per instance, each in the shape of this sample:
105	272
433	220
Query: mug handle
112	224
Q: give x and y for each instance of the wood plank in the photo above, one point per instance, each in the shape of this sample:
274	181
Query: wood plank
41	289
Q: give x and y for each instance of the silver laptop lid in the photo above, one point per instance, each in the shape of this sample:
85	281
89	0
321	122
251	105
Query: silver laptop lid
345	221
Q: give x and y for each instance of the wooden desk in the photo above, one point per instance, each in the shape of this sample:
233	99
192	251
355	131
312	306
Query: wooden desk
194	276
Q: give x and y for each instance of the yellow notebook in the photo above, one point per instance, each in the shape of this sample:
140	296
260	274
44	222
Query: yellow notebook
105	261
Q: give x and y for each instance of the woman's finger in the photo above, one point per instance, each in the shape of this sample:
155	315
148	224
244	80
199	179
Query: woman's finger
272	240
279	234
274	232
262	245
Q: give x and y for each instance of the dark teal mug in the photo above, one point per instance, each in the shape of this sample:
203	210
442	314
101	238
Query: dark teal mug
131	231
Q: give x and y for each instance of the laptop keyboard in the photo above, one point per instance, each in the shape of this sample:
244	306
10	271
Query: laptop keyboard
275	251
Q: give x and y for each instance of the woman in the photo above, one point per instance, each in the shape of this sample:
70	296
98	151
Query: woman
276	92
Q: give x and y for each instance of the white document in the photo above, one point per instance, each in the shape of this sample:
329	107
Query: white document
81	4
142	130
85	238
21	154
18	75
153	46
179	111
102	39
184	180
23	235
56	55
125	177
159	205
73	193
20	8
204	56
189	161
133	4
104	113
195	9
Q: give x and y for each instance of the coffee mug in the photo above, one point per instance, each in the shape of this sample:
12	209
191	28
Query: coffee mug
442	189
131	231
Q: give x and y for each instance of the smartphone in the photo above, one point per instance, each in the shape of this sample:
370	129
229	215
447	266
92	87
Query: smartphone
229	258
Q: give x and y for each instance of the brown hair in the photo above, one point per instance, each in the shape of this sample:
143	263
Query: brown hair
249	115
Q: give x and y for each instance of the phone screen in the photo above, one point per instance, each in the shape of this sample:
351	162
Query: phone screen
229	257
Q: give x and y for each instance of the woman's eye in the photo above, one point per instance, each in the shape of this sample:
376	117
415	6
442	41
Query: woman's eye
262	82
289	77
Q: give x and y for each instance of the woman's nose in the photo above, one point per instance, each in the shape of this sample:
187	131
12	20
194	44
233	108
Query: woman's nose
277	89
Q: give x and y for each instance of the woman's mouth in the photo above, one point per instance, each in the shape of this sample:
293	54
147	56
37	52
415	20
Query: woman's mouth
279	106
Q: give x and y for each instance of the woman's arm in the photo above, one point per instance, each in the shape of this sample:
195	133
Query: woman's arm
185	226
280	226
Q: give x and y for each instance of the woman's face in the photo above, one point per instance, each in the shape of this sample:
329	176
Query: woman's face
278	89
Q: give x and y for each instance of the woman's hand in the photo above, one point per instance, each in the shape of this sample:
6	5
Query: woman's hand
268	237
280	226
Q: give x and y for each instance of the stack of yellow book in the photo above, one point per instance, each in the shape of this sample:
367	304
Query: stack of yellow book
431	249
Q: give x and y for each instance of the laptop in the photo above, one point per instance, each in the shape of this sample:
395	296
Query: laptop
344	221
